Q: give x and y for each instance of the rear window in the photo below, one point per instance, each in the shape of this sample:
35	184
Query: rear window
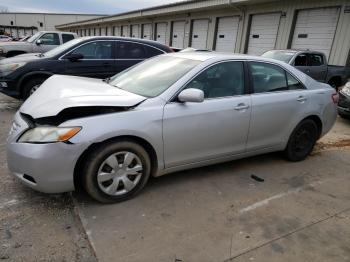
284	56
67	37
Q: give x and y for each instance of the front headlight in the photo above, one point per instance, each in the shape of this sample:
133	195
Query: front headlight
346	89
6	69
48	134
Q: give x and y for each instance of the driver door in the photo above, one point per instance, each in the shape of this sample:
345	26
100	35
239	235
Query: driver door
97	62
48	42
214	128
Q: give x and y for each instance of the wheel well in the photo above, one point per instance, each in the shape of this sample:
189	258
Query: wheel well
30	77
142	142
318	122
14	52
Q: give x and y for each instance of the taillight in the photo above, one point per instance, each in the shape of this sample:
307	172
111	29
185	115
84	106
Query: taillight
335	98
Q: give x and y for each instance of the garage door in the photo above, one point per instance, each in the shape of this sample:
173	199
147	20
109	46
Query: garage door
199	33
178	36
135	31
315	29
125	31
161	32
116	30
263	33
226	34
147	31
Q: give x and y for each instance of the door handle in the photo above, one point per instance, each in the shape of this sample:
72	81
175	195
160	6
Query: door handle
240	107
301	99
307	70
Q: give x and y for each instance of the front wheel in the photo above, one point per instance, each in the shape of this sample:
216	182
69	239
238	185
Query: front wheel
116	171
31	86
302	141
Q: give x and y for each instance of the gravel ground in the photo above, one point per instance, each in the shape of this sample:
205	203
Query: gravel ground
34	226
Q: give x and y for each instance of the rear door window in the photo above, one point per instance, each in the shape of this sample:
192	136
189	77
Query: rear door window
67	37
316	60
267	77
293	83
129	50
151	51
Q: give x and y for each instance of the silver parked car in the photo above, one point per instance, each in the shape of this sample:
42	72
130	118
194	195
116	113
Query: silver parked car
173	112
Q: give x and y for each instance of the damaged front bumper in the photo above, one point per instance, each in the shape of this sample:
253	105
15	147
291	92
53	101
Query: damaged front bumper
48	167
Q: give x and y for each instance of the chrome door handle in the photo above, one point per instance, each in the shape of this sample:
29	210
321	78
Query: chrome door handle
301	99
241	107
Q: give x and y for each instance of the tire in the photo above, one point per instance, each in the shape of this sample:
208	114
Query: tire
344	116
105	172
31	86
302	141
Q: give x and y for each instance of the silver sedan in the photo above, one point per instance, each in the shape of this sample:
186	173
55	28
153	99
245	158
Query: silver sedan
170	113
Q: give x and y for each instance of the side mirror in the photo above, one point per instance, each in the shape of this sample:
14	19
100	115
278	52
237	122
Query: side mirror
39	42
74	57
191	95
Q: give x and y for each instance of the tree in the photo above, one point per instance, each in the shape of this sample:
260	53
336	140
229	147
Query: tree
4	9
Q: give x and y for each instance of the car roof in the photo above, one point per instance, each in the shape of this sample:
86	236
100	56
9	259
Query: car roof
297	51
133	39
204	56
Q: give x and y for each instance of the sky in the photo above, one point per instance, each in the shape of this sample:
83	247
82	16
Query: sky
79	6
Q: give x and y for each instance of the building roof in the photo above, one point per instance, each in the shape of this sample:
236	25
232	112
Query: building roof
38	13
186	5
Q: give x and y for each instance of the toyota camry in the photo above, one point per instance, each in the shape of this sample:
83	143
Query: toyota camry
169	113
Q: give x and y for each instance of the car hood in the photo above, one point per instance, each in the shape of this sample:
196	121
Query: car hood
61	92
21	58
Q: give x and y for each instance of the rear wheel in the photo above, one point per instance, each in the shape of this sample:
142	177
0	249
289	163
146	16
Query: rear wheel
116	171
302	141
31	86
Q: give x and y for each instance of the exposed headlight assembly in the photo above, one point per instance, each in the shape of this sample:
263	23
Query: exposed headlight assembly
6	69
48	134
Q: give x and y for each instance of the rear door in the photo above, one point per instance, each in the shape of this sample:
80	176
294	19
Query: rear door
279	101
98	60
217	127
317	67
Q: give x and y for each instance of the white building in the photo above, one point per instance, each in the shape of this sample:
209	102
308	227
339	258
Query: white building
241	26
22	24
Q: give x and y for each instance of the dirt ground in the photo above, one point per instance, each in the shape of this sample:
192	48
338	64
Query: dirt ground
257	209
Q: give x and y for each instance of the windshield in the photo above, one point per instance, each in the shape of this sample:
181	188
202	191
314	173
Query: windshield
33	37
153	76
61	48
284	56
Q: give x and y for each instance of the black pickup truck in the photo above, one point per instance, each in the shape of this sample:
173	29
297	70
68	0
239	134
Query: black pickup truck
314	64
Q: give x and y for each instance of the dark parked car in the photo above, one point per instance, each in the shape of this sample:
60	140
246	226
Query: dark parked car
314	64
97	57
344	101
